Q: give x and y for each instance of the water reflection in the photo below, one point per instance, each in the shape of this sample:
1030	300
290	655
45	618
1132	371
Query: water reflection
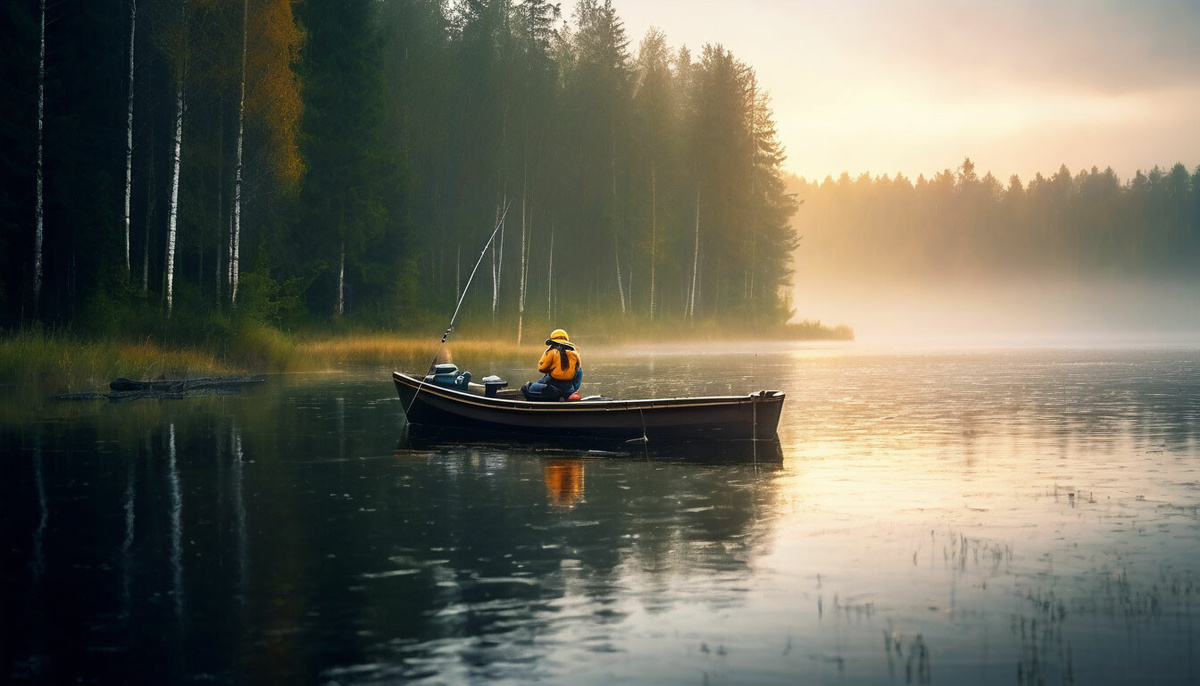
127	543
39	535
239	506
416	439
564	482
992	517
176	523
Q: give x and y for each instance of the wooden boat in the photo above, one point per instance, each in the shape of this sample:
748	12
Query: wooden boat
738	417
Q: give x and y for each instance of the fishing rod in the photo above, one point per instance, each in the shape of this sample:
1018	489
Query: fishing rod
472	276
454	317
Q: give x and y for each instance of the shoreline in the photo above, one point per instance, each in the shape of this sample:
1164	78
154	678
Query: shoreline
33	361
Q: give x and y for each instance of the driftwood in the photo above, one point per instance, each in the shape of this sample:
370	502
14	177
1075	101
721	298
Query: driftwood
129	389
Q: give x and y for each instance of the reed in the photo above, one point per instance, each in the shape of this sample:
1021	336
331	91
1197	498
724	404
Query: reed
36	361
380	349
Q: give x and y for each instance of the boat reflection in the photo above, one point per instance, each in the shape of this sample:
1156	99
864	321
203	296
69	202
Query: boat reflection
429	438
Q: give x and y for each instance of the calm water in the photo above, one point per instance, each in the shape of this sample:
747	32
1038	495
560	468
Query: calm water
1002	517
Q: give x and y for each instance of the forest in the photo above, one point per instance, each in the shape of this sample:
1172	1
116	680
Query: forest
173	164
959	226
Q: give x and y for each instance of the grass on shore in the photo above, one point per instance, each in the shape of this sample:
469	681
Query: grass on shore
51	363
35	361
48	363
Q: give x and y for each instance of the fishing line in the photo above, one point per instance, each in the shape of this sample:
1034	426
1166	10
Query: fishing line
461	298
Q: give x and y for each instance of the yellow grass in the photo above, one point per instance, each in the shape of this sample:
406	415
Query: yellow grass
52	363
38	362
396	350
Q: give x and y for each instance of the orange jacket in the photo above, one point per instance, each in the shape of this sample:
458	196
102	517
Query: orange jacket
552	364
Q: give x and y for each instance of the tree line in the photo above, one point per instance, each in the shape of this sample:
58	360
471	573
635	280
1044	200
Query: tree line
957	225
344	161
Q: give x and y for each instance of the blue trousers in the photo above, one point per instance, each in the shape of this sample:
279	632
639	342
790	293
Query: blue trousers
549	388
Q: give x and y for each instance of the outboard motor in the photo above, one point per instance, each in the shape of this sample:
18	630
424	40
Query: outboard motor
448	376
492	385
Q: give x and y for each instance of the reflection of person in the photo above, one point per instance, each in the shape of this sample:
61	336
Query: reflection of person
564	482
562	367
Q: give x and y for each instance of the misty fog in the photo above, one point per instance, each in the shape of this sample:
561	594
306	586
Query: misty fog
1008	313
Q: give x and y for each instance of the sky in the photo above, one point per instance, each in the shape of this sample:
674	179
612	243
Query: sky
914	87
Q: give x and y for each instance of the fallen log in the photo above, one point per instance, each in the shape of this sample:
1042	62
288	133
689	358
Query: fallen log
167	389
184	385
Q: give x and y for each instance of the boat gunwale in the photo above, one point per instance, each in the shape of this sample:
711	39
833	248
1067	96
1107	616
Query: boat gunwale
506	404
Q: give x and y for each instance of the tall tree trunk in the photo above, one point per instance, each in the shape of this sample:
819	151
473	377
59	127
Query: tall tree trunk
148	219
234	258
524	249
753	196
229	262
691	306
620	283
341	293
217	272
653	232
174	212
495	276
37	238
550	278
129	131
498	261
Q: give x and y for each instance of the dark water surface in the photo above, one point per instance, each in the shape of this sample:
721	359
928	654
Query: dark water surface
1002	517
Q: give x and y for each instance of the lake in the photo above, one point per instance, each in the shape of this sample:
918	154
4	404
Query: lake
1011	516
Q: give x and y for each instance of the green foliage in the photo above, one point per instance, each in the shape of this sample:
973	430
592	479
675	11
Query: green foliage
260	347
416	123
265	301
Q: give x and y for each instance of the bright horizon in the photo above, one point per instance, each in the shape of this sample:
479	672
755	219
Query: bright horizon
1019	87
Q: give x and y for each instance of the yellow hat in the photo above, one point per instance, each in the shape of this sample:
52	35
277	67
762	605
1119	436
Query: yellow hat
559	337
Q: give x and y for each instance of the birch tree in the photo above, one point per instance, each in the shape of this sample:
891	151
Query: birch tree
129	131
269	98
236	232
41	114
173	211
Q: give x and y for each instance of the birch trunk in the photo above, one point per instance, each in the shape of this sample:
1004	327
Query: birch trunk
129	132
234	257
550	278
691	308
146	221
174	212
753	195
341	298
524	255
495	277
498	261
620	283
653	232
229	261
37	238
219	285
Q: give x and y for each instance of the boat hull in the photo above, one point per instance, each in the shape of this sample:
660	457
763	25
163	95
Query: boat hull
754	416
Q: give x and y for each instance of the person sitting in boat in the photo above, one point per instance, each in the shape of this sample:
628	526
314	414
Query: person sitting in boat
562	368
